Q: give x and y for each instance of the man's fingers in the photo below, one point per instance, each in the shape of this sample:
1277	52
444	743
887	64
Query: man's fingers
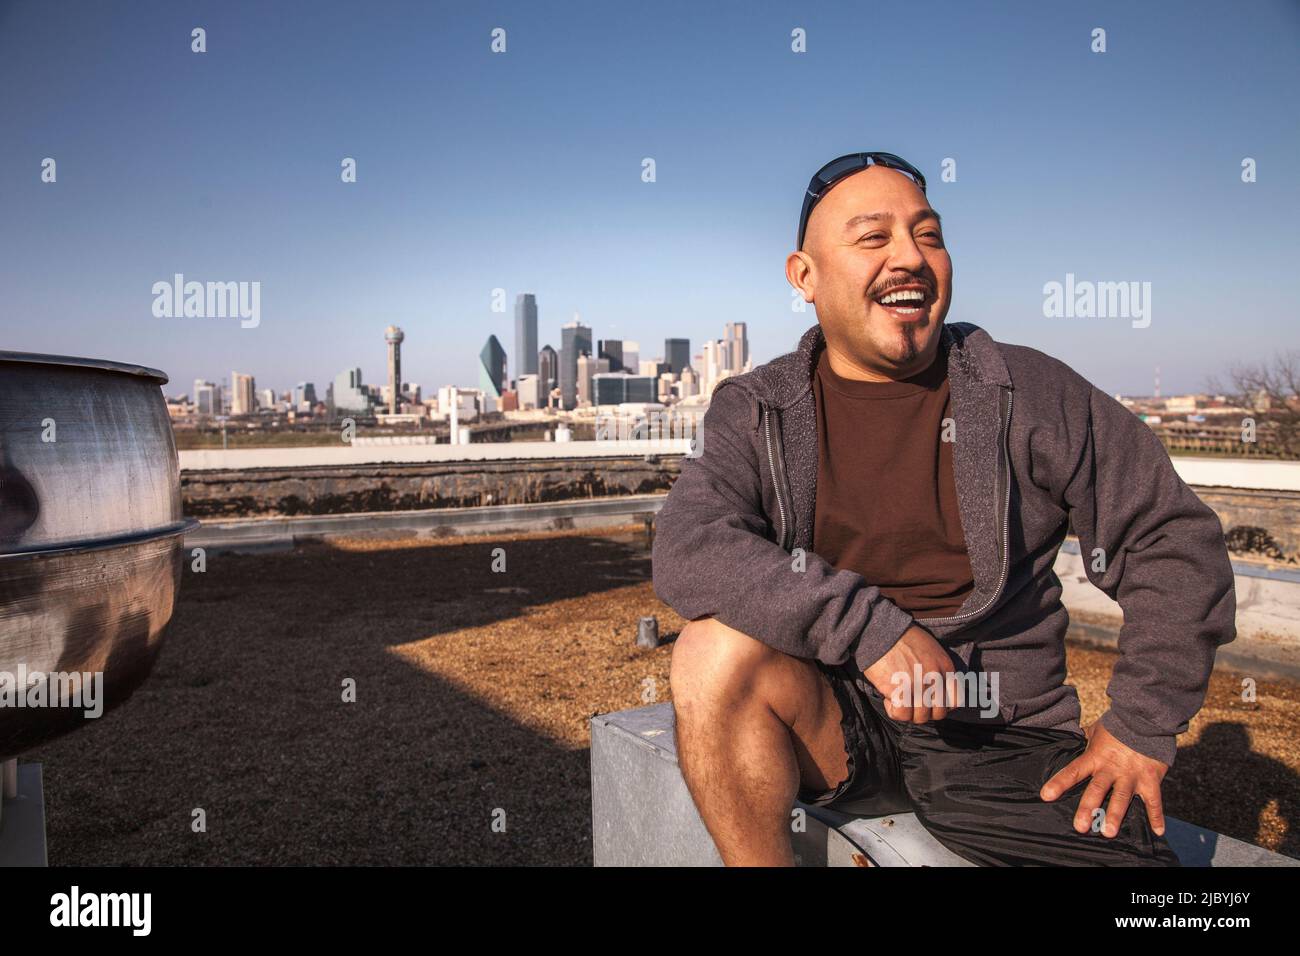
939	708
898	711
909	715
1090	803
1150	794
951	695
1120	797
937	694
1066	777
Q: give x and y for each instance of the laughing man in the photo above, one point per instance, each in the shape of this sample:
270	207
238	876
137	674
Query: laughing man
885	503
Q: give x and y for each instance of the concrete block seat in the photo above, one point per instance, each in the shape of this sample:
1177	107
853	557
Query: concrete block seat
642	814
22	814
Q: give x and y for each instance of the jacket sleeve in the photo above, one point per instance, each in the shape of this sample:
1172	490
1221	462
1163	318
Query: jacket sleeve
711	557
1163	558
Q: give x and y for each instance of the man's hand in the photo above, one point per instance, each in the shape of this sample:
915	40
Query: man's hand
1116	769
896	672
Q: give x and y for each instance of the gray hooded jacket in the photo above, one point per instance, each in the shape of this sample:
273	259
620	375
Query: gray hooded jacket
1038	451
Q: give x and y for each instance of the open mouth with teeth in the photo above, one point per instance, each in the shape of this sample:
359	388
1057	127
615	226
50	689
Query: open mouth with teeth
905	303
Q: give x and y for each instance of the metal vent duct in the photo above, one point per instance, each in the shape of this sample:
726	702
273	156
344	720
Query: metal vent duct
91	533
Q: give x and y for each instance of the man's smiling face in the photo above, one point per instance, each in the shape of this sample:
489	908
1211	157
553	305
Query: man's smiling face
875	267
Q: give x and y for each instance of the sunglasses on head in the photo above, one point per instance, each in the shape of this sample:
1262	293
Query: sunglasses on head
837	169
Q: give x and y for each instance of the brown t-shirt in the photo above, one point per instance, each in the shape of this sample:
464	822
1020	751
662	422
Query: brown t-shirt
886	500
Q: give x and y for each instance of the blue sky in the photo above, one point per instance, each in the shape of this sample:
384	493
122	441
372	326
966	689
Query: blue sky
522	171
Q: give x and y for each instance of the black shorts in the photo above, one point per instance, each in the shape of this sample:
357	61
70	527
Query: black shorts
974	786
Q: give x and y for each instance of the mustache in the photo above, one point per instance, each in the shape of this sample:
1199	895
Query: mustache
888	286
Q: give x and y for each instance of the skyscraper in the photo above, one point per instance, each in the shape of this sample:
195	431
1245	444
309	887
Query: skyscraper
588	369
243	394
735	346
710	365
690	383
350	393
206	401
677	353
575	341
548	369
394	336
525	334
529	388
492	372
611	349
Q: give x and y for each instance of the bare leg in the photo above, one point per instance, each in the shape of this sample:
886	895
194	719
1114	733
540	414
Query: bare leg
752	724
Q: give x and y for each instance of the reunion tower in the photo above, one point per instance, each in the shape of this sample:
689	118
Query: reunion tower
394	336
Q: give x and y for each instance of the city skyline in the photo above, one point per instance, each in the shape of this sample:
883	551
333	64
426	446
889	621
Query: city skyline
668	202
723	351
726	355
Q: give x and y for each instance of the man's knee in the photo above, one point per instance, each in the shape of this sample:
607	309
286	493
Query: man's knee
714	664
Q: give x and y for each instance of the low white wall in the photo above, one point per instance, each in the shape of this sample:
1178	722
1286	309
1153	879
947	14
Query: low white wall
237	459
1265	607
1228	473
1239	473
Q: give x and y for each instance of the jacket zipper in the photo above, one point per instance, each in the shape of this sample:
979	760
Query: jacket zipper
776	478
1003	436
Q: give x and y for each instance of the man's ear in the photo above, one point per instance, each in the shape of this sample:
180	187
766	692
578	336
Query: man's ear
801	274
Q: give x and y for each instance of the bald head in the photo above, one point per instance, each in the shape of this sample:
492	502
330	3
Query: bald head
876	269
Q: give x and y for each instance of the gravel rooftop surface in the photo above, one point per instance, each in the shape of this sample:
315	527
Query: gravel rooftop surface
474	689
